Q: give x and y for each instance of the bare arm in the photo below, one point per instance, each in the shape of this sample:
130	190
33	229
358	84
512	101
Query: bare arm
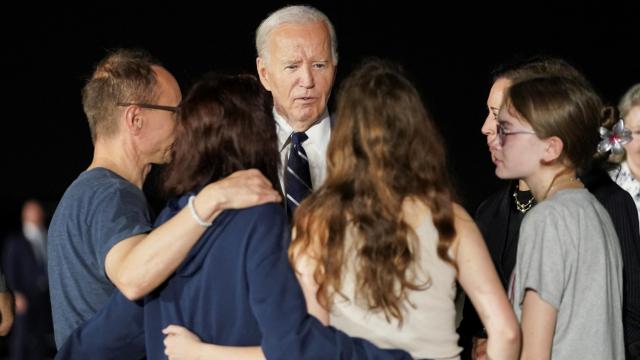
480	282
182	344
139	264
538	326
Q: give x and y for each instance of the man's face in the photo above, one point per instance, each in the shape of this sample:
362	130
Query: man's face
494	102
298	71
158	132
632	122
33	213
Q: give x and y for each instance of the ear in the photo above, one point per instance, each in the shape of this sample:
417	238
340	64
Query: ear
553	149
263	74
133	120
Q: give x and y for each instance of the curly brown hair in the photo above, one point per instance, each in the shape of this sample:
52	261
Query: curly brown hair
383	150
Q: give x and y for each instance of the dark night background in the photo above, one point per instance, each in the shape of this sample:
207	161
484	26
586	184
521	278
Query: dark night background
449	52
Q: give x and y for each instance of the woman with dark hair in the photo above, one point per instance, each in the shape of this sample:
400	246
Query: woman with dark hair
224	125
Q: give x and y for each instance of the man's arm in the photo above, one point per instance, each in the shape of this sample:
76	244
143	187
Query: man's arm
139	264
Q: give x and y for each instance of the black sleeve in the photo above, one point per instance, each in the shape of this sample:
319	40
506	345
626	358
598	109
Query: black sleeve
624	215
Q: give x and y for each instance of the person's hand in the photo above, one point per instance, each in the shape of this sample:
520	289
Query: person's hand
6	312
180	343
22	305
479	349
242	189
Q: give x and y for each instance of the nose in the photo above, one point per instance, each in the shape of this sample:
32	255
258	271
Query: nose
489	126
306	77
489	129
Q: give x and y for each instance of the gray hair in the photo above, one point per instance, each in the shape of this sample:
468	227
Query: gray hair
295	14
630	99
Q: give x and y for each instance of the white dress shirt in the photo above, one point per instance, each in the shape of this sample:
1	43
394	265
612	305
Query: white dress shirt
315	147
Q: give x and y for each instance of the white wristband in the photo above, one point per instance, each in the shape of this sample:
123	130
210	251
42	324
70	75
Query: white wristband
194	214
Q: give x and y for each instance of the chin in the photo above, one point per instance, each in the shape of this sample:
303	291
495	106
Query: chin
502	174
305	121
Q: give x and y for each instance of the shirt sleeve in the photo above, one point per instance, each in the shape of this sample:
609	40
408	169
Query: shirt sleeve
543	256
120	214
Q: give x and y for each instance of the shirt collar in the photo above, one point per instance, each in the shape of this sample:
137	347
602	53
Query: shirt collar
318	134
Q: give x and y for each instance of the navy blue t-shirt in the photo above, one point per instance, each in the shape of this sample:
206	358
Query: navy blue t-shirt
98	210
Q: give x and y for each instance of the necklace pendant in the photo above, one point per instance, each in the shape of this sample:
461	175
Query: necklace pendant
522	207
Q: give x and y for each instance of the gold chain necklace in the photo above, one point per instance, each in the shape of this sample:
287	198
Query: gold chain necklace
522	207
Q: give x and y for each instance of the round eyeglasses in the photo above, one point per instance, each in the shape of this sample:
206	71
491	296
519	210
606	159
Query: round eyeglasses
503	133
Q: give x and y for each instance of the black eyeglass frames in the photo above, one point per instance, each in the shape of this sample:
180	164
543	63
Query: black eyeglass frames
151	106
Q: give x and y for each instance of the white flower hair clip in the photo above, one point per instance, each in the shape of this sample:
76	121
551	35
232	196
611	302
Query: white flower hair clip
614	139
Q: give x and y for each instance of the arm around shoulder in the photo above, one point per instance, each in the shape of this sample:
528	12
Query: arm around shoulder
140	263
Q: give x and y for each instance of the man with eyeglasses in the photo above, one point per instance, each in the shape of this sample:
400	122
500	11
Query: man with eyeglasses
101	237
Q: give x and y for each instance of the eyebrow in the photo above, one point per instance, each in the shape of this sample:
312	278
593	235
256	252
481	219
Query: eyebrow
291	60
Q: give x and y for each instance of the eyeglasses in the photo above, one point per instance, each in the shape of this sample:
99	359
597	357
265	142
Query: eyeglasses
503	133
151	106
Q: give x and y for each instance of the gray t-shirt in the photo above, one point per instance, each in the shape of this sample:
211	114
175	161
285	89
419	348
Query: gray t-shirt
569	254
97	211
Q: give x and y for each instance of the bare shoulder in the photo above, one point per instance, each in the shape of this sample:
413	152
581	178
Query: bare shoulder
463	221
466	228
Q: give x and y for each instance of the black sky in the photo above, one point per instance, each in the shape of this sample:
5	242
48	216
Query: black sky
449	51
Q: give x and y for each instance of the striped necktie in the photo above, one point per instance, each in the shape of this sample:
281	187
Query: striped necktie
297	177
